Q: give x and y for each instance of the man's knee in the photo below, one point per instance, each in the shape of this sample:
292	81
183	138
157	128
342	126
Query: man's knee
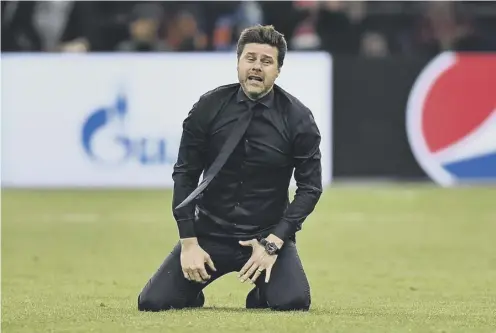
297	302
153	303
147	302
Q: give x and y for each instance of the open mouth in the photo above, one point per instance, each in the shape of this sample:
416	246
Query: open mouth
255	78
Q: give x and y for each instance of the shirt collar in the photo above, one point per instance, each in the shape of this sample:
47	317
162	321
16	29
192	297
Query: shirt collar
267	100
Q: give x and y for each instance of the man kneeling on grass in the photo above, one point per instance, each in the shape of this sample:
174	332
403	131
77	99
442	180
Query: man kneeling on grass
247	138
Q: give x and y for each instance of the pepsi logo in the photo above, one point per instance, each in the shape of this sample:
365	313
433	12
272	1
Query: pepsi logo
451	119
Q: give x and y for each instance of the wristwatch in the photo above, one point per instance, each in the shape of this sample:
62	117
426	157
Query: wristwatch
270	247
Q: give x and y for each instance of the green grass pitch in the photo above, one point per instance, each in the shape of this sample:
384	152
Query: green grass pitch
379	259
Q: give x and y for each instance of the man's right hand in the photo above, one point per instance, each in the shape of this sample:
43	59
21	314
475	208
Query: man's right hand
193	259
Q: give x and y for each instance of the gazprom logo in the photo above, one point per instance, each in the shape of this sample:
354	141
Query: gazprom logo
105	138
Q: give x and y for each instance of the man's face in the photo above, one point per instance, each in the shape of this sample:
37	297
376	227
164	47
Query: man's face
257	69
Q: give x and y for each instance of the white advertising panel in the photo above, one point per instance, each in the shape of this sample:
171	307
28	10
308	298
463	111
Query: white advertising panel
115	120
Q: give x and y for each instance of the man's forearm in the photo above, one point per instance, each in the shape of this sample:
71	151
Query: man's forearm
276	240
190	241
303	205
185	216
307	173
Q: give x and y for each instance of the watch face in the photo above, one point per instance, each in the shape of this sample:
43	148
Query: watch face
271	248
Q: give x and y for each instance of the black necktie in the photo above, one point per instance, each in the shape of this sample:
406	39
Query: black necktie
237	133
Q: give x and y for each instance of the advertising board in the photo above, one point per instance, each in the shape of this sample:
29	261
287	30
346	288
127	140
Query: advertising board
115	120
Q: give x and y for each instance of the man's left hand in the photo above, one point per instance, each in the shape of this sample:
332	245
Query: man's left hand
259	261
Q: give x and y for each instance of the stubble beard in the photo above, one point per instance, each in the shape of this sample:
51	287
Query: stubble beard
255	94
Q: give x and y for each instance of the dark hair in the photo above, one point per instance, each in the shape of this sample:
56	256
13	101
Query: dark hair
264	35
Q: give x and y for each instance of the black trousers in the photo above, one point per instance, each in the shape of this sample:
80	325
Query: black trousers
287	289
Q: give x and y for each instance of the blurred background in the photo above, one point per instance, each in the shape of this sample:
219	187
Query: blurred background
366	28
362	95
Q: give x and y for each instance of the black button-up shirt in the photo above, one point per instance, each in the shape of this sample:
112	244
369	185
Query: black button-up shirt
249	195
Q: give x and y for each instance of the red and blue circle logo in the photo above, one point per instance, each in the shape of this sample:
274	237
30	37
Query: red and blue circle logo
451	119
